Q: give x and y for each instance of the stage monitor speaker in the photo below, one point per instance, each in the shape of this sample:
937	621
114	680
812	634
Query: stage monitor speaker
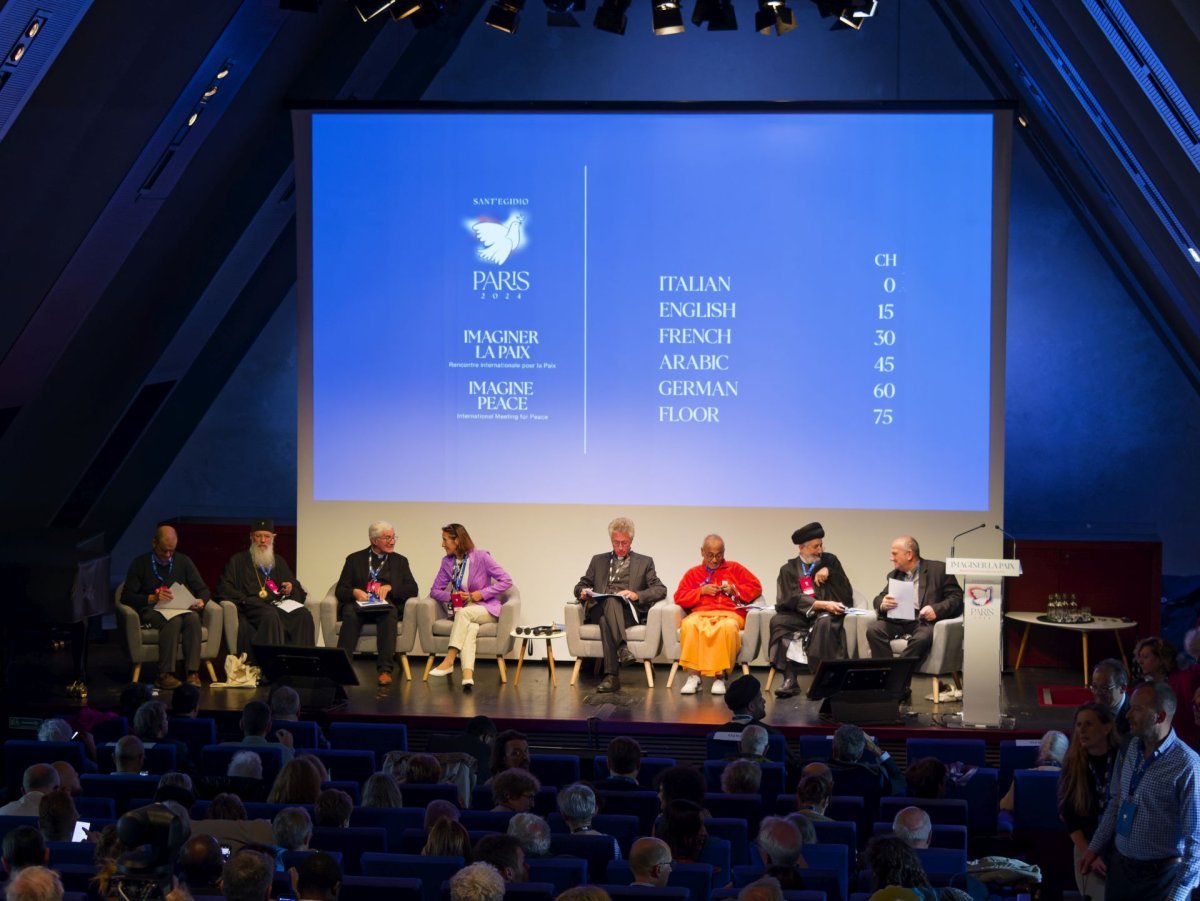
317	674
862	691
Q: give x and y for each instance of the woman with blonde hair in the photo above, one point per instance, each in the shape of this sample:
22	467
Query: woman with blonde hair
448	838
297	783
1083	785
381	790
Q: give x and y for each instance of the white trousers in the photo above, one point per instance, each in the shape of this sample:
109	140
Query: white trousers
465	631
1092	884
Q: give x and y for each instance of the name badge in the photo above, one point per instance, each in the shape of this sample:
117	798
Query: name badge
806	585
373	588
1125	817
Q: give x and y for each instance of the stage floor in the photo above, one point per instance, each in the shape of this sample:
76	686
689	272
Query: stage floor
36	686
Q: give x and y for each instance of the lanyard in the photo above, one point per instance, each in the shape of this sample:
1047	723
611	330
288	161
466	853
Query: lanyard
807	568
1140	765
266	570
154	566
375	570
711	573
460	569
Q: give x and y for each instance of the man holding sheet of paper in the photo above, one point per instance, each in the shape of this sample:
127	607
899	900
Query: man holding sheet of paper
166	590
918	594
617	592
269	597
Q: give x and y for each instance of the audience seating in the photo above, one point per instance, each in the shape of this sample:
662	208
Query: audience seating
645	805
515	891
195	732
748	807
835	833
972	751
305	734
555	769
371	888
544	803
641	892
861	783
378	737
111	729
431	871
772	777
160	758
734	830
421	795
597	850
816	747
561	872
351	842
121	788
1015	755
214	759
817	880
695	878
942	836
722	894
489	820
647	772
406	630
717	748
622	827
393	819
95	808
942	811
353	789
20	754
71	852
349	766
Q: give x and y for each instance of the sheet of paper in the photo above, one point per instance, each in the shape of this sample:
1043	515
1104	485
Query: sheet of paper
859	611
371	602
181	601
596	596
287	605
905	594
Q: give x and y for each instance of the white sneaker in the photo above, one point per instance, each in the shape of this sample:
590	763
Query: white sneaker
718	686
691	686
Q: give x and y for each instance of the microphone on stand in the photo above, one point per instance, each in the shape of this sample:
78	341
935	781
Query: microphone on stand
1011	537
967	532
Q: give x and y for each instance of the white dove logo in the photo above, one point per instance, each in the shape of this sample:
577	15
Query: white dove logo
499	239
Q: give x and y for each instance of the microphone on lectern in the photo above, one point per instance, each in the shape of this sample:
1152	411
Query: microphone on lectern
982	525
1011	537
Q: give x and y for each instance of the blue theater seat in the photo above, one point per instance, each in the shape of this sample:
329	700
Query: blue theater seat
695	878
949	750
379	738
647	772
371	888
561	872
556	770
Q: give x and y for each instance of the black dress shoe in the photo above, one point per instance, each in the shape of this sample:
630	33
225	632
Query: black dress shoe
625	657
789	689
609	683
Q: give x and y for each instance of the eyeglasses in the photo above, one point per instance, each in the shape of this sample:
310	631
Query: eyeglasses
1107	686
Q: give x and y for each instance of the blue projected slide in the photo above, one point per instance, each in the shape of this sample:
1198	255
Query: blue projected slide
663	308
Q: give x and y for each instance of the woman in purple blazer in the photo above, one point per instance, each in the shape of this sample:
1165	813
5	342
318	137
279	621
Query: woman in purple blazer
469	585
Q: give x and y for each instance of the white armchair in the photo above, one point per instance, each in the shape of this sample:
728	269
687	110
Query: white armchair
330	627
229	613
142	644
945	655
751	638
644	640
849	627
495	639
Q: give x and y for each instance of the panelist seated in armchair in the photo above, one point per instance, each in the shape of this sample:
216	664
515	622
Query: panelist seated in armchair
938	596
715	594
148	587
374	586
628	587
469	586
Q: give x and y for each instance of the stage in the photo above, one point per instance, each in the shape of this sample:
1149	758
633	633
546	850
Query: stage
556	716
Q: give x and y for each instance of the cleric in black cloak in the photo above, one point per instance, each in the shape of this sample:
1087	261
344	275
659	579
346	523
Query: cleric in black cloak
813	593
257	580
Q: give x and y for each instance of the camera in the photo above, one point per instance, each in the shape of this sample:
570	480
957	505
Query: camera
154	834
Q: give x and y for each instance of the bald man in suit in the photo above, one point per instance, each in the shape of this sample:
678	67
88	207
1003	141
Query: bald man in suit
939	596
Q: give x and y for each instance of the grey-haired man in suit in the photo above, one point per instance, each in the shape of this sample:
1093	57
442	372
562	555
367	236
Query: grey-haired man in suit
629	576
939	596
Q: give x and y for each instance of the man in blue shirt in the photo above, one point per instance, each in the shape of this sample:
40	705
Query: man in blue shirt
1154	811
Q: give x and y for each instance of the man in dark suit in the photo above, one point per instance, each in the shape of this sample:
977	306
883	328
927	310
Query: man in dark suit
939	596
618	590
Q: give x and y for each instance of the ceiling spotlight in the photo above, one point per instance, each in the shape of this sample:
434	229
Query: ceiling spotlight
773	15
667	16
369	9
718	14
503	15
849	13
611	17
561	13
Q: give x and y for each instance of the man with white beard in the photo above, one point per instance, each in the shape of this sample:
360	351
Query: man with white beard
258	580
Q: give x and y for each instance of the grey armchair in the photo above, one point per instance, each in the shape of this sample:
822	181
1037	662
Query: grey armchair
645	640
850	627
495	639
229	613
331	626
751	638
945	655
142	644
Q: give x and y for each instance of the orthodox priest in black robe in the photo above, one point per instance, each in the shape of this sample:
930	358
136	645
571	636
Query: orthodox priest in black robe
812	595
257	580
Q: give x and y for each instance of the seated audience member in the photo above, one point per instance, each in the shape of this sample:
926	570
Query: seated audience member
926	779
256	723
650	862
913	827
297	783
624	762
577	806
68	778
381	790
129	756
681	783
1110	688
476	739
477	882
812	797
765	888
24	847
423	769
583	893
448	838
897	874
247	876
57	817
316	763
333	809
150	724
532	832
284	702
710	635
396	763
175	787
779	845
199	866
243	777
741	777
514	790
39	779
439	809
226	822
34	884
820	770
682	828
510	751
292	829
849	745
753	743
1050	756
1082	787
504	853
185	701
808	832
55	729
317	878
